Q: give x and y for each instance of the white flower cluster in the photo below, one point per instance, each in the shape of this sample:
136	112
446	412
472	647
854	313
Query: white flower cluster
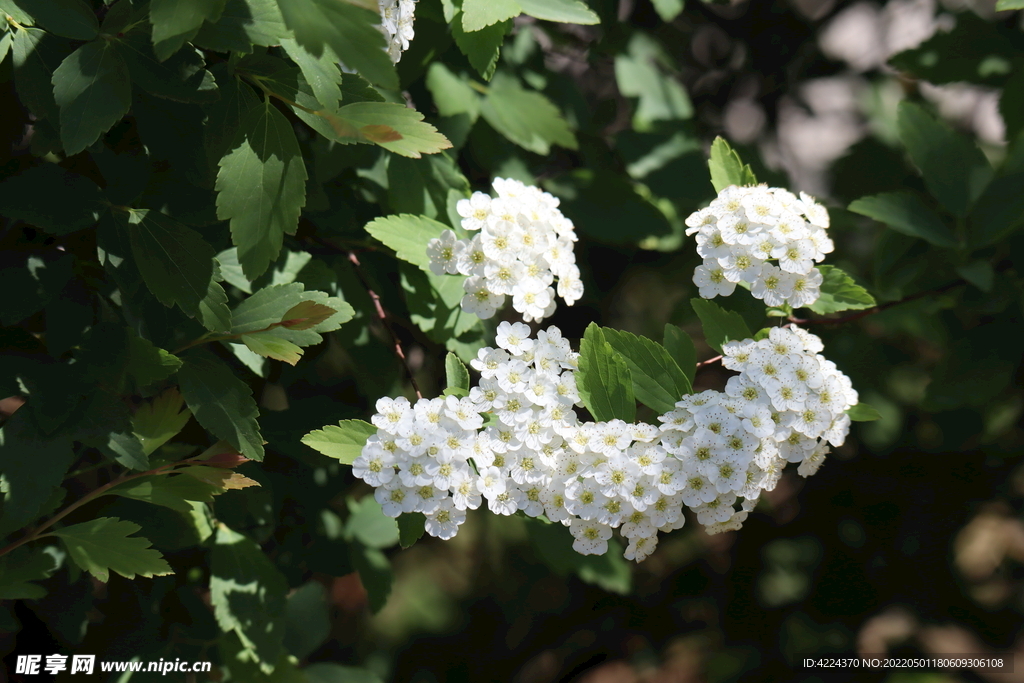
786	405
438	458
396	17
523	243
745	228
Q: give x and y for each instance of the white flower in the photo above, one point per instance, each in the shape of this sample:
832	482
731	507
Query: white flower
444	253
591	537
474	211
711	281
445	520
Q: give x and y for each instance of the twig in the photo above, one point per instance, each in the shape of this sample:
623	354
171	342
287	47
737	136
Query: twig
877	309
709	361
354	260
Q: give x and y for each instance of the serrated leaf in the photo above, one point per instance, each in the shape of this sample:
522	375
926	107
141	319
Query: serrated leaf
906	213
565	11
456	372
478	14
863	412
221	402
661	97
102	545
29	195
394	127
321	73
408	235
680	347
148	363
176	21
67	18
248	595
411	527
261	187
305	315
1004	5
176	263
214	313
172	491
658	381
482	48
269	346
343	441
36	55
603	379
1000	210
525	117
351	32
242	24
719	324
727	168
181	77
156	422
840	293
93	90
954	170
308	622
368	524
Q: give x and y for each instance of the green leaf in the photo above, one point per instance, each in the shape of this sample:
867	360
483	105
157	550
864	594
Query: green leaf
662	98
106	544
840	293
175	261
525	117
408	235
19	568
954	169
374	573
411	527
863	412
394	127
351	32
658	382
452	94
482	48
29	196
343	441
221	402
680	347
478	14
93	90
248	595
328	672
1000	210
1011	105
32	466
906	213
214	313
604	381
261	187
308	622
456	372
242	24
36	54
148	363
321	73
68	18
435	304
668	9
368	524
182	77
719	324
565	11
176	21
553	545
975	51
1004	5
978	273
727	168
169	490
156	422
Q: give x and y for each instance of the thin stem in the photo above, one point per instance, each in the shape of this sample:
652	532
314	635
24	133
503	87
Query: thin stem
92	495
877	309
354	260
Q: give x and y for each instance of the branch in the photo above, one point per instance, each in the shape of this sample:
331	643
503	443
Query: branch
877	309
354	260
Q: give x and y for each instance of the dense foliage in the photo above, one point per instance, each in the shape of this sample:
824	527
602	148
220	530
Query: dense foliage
216	225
